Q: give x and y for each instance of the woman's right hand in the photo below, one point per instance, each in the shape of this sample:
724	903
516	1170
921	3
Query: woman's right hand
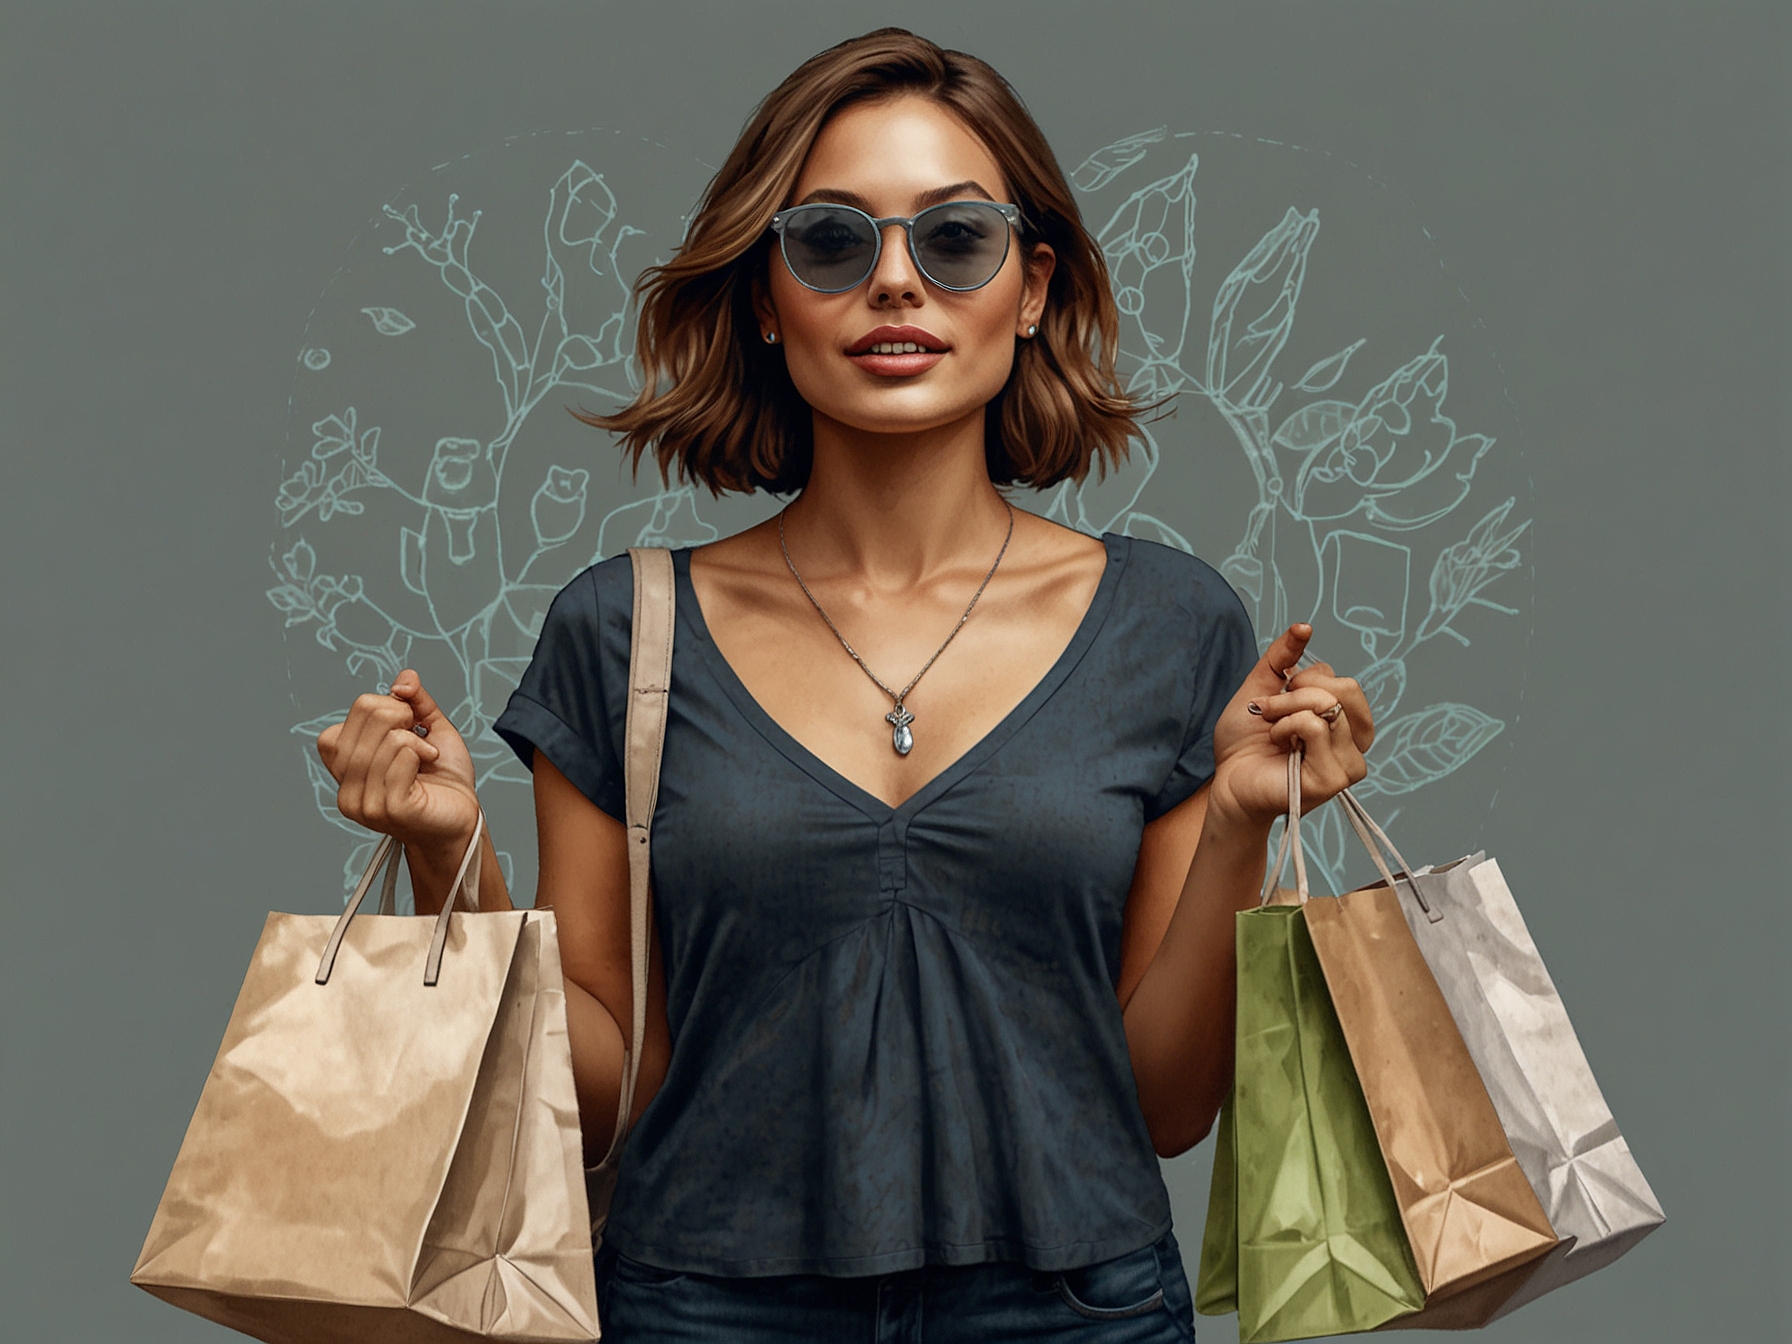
419	790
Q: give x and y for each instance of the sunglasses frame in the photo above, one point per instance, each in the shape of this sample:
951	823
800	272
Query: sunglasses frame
1011	213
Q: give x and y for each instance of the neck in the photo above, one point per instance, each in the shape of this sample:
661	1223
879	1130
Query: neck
894	509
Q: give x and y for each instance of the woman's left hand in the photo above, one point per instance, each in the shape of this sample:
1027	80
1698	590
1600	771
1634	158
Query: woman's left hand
1327	715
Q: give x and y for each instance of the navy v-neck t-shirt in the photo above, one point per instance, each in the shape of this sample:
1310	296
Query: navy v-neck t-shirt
895	1035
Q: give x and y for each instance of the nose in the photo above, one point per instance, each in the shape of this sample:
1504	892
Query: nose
894	280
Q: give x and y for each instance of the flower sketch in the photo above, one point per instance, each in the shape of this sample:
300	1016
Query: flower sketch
1361	519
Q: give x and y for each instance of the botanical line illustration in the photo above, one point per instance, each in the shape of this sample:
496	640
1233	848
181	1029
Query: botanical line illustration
1364	518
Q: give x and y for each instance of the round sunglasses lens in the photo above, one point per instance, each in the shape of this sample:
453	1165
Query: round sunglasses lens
961	245
828	248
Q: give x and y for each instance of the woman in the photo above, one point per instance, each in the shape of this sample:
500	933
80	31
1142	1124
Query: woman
940	968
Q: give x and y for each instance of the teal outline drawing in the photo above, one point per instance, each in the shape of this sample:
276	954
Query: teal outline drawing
1345	488
1348	482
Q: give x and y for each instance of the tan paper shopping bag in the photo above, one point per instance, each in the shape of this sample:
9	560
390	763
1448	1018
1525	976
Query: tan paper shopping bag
387	1146
1475	1226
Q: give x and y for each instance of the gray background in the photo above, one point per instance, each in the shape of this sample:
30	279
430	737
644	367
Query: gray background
1607	184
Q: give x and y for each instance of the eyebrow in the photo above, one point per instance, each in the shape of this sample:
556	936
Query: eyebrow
958	191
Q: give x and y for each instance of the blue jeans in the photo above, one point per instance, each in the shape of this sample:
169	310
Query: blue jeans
1138	1298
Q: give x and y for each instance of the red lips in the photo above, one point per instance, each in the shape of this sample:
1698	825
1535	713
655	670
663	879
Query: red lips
928	342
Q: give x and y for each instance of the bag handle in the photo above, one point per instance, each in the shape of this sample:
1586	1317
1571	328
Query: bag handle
1376	841
1290	837
649	690
465	884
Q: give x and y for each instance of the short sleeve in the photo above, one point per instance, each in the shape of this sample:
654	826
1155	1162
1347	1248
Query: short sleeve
563	706
1220	654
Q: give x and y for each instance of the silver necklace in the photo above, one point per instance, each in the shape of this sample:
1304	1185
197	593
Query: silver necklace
902	736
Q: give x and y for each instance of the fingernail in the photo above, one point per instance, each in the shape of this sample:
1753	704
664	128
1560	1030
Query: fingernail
1254	707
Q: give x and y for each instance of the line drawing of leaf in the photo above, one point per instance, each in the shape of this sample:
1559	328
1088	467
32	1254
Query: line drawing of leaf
367	449
1154	229
293	602
1241	358
1325	374
333	434
389	321
1417	749
1313	426
301	561
1383	684
577	351
1464	569
296	601
1108	162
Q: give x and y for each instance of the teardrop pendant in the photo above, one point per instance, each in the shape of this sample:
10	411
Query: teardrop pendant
901	737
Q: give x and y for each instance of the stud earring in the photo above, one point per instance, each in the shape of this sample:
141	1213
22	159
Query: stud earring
1033	330
771	338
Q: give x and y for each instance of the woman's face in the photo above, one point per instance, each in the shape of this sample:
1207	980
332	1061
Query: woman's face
897	157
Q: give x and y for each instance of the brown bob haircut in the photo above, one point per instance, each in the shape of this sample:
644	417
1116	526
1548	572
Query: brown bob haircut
719	406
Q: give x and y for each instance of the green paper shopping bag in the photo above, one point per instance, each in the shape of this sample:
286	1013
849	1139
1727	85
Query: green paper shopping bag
1304	1235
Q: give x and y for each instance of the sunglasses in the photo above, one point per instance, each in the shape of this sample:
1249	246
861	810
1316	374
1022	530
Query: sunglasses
959	245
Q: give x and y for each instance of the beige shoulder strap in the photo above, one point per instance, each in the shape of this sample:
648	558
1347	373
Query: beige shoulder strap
649	685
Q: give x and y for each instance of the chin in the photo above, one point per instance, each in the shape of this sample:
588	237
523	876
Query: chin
903	410
889	419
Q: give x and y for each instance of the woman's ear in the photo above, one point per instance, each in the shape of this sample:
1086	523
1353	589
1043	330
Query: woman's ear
1040	263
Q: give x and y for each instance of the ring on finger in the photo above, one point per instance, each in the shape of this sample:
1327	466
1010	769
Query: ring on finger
1331	715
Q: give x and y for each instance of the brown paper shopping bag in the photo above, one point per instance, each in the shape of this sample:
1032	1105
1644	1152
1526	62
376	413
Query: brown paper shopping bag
1475	1226
387	1146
